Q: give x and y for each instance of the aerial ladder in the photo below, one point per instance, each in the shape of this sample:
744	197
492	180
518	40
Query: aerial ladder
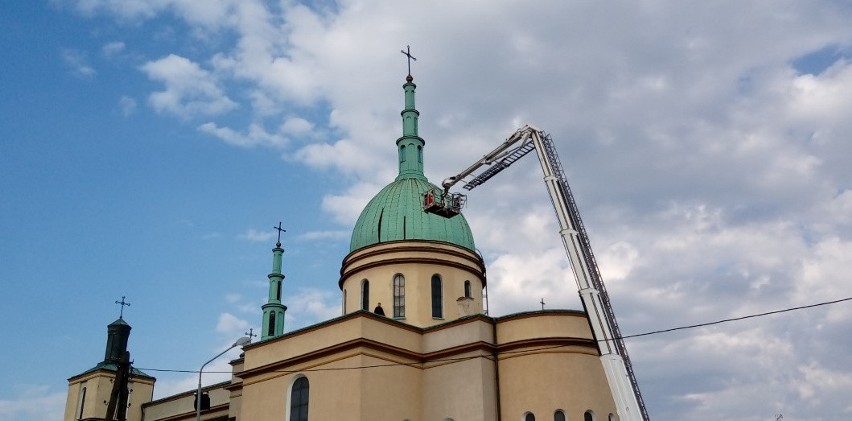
613	353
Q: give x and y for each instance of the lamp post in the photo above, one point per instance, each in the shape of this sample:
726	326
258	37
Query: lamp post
245	340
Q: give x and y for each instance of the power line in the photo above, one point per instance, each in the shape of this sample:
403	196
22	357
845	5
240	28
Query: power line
459	359
733	319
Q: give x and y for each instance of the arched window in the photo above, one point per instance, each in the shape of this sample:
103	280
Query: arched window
437	297
419	154
558	415
278	292
299	400
589	416
270	331
612	417
398	295
82	403
529	417
466	289
365	295
402	153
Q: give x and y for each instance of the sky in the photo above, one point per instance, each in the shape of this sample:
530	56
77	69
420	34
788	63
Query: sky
148	147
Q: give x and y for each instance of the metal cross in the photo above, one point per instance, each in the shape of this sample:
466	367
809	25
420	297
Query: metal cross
407	52
542	303
280	230
122	303
250	333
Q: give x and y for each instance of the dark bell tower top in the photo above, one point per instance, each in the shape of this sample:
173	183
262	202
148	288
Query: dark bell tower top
118	332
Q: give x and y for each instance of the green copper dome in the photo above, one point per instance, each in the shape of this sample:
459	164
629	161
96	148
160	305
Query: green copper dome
396	212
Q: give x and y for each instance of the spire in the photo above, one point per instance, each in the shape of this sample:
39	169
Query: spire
118	333
273	310
410	145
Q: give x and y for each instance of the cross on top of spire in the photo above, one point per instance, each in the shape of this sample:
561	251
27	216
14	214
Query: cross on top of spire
122	303
407	52
280	230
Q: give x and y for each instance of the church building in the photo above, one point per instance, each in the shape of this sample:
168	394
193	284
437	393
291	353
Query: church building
412	342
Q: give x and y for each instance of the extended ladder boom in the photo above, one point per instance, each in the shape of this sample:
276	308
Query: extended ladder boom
616	362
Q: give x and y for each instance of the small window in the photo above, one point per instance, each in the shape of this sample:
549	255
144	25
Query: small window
398	296
589	416
278	293
419	154
612	417
299	400
270	331
558	415
437	297
466	289
529	417
365	295
82	403
402	153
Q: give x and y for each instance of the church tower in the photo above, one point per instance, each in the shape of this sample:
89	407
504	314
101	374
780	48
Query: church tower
89	392
273	310
422	268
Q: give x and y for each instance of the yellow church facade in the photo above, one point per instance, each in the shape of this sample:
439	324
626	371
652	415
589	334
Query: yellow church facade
413	341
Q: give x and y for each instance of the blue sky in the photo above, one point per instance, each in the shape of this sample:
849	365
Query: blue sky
148	147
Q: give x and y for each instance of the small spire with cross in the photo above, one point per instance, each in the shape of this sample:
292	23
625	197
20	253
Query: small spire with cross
280	230
122	303
407	52
542	304
251	333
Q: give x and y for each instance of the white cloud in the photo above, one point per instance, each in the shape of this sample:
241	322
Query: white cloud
712	176
228	323
326	235
256	236
256	135
189	89
78	63
112	48
33	402
127	105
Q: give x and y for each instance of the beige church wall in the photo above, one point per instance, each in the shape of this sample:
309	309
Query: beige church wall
182	406
326	335
541	381
388	393
463	390
468	331
334	389
548	324
98	386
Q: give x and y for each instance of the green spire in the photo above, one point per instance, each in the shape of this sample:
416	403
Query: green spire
410	145
273	310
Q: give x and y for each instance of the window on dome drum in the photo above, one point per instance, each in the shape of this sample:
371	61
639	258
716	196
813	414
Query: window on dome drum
299	395
398	296
437	297
271	330
365	295
529	417
589	416
558	415
466	289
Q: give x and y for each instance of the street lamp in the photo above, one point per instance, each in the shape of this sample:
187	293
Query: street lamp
245	340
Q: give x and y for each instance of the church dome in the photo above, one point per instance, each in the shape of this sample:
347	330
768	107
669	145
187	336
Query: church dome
396	212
